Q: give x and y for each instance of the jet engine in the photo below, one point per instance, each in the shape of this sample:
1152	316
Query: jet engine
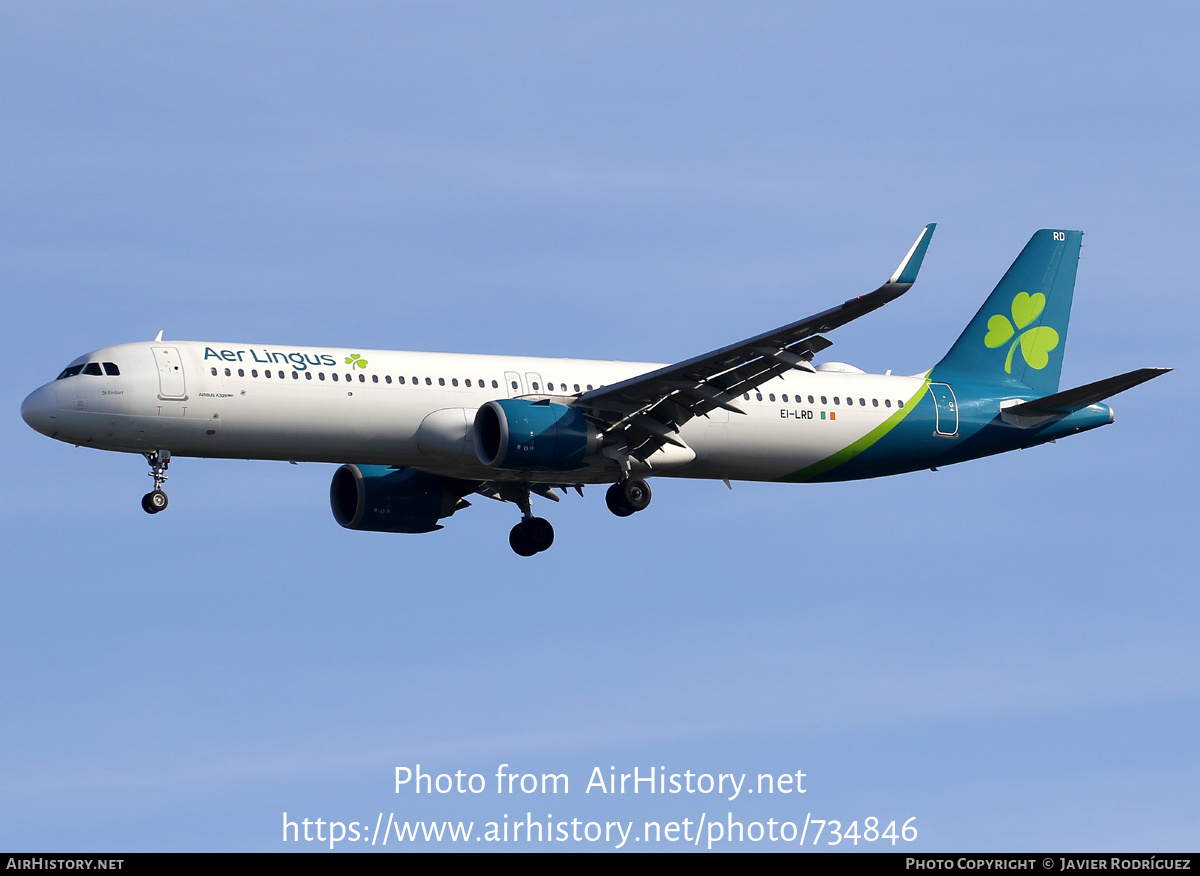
526	435
383	498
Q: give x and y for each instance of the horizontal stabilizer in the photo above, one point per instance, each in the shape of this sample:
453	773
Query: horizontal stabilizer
1081	396
648	410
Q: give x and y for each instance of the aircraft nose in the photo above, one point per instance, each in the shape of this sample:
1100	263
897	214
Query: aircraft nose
40	409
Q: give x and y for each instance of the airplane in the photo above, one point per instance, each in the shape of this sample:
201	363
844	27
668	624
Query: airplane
416	433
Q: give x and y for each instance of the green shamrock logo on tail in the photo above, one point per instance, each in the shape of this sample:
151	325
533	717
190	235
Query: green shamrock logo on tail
1036	343
356	361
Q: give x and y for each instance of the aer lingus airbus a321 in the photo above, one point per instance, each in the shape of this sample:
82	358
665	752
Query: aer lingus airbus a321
418	432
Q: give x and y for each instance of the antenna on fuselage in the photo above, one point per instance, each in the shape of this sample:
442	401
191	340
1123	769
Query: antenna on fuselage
158	337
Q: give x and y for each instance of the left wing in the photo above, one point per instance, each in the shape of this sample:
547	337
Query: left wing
643	413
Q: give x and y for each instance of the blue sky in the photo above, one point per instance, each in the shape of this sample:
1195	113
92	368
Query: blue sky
1005	649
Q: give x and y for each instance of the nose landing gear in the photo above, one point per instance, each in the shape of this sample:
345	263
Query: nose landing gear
156	501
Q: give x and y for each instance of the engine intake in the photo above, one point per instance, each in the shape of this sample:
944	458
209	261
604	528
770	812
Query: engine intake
383	498
524	435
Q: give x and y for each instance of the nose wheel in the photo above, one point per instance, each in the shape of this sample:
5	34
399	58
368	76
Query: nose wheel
156	500
628	497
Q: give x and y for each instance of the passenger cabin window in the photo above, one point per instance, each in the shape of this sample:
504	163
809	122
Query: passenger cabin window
228	373
213	370
241	372
320	375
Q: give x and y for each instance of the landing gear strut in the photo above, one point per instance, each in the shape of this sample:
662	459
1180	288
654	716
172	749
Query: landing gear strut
628	497
156	501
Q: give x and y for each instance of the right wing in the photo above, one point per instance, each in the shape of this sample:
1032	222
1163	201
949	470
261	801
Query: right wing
643	413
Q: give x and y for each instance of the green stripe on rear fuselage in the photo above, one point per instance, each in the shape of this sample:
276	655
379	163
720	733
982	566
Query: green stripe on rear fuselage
852	450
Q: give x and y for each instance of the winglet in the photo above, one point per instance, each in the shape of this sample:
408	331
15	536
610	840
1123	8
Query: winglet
158	337
907	272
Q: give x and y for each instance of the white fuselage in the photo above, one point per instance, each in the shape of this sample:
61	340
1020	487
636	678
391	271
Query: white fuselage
417	409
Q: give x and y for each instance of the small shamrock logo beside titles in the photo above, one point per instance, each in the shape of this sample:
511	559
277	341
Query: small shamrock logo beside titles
356	361
1036	343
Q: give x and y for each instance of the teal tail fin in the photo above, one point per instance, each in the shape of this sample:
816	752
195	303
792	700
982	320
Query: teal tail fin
1019	335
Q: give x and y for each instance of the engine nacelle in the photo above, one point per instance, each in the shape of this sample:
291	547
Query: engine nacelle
521	435
383	498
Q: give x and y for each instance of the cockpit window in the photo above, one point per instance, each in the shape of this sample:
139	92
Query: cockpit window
111	369
92	368
70	371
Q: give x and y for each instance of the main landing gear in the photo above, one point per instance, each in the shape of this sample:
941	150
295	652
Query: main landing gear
531	536
534	535
156	501
628	497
